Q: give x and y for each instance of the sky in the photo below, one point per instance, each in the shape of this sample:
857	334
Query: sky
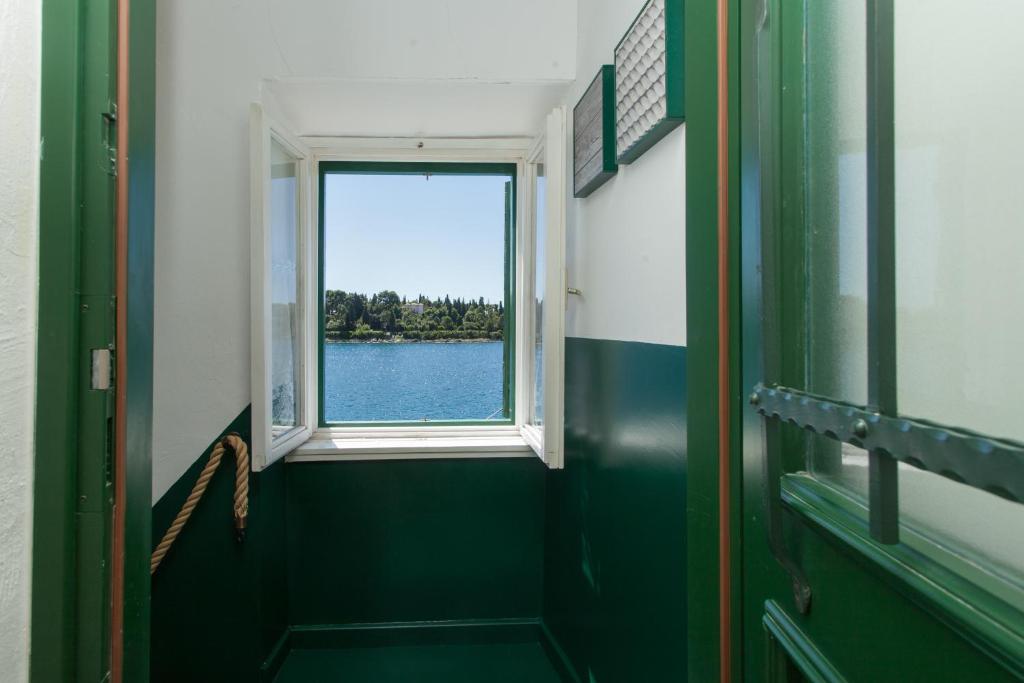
437	237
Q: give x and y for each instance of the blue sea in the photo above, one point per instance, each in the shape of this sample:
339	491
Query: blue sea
412	381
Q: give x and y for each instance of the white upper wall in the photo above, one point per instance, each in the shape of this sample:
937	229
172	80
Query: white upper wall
20	30
212	56
625	247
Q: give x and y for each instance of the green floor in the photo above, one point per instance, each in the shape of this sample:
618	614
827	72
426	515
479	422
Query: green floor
492	663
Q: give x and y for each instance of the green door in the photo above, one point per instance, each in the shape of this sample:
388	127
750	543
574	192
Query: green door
882	339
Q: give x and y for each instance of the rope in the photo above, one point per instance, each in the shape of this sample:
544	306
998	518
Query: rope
241	502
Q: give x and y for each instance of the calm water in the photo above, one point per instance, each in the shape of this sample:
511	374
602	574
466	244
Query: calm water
434	381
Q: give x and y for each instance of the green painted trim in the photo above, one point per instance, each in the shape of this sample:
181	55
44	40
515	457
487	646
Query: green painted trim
700	85
53	543
883	479
418	168
557	655
675	82
460	632
275	660
139	382
989	623
783	634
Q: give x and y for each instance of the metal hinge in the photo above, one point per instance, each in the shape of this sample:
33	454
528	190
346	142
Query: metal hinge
102	369
110	137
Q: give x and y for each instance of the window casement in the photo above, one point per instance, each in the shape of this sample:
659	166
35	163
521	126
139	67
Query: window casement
287	296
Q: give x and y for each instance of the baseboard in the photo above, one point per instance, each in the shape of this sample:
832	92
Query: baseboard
472	632
559	659
333	636
272	665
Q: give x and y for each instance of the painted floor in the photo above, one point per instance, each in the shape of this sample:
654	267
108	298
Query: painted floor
490	663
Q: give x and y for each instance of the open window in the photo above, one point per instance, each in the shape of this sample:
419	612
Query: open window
359	290
544	290
282	409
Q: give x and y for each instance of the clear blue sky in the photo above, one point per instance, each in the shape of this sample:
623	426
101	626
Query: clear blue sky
437	237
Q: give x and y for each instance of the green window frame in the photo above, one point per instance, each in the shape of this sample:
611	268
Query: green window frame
965	595
509	170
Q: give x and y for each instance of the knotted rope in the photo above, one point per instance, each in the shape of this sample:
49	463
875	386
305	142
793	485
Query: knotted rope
236	444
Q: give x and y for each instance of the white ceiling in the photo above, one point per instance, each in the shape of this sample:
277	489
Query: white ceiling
424	108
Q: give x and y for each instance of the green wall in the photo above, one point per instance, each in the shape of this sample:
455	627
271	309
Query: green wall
219	606
415	540
615	553
598	549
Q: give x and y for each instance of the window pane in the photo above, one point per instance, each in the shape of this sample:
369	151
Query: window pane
414	280
284	275
540	273
955	524
960	212
836	199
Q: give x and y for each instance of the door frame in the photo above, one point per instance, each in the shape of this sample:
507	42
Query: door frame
71	120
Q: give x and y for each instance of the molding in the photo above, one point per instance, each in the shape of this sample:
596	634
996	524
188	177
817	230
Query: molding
557	656
982	619
472	631
783	633
275	658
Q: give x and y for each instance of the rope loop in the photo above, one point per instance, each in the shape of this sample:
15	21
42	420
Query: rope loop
236	444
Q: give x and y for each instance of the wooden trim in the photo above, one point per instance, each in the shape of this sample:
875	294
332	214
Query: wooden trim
724	394
121	346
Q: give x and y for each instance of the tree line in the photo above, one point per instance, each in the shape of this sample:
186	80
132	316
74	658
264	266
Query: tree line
386	316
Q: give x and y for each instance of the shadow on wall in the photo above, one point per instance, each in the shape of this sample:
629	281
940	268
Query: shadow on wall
615	552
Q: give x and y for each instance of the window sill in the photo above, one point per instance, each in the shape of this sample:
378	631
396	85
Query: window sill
417	443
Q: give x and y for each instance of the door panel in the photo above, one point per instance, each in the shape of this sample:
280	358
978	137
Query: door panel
856	566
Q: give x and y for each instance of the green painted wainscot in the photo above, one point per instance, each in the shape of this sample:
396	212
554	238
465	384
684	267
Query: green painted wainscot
449	570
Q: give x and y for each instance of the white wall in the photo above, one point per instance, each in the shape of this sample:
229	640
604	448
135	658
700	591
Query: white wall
212	56
626	242
20	24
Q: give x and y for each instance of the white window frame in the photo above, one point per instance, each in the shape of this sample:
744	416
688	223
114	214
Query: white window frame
266	448
549	149
313	443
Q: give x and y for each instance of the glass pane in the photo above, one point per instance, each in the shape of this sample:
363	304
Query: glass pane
285	288
540	273
984	527
955	524
960	212
836	200
414	285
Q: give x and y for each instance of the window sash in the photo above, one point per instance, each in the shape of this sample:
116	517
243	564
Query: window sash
331	167
268	446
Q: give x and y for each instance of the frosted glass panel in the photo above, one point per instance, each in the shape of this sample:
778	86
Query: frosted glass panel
284	278
960	212
836	199
540	273
969	525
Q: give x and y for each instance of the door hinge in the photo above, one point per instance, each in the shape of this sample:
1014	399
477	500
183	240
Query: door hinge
110	137
101	370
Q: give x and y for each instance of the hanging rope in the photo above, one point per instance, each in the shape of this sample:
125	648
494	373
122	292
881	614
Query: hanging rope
237	445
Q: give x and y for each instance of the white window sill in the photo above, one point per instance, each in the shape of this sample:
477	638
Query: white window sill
411	443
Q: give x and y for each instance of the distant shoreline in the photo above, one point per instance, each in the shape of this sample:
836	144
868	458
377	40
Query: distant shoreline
414	341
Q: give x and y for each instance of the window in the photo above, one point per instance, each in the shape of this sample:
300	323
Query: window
418	292
280	258
446	256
